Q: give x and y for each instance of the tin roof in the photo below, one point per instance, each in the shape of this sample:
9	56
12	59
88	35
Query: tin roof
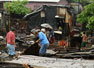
36	0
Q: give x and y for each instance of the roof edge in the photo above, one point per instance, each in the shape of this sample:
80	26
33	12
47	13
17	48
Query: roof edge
36	0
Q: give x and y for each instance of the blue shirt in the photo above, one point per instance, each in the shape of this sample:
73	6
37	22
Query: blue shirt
43	38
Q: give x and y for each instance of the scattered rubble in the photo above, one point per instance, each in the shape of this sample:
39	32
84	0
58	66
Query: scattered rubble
54	62
13	65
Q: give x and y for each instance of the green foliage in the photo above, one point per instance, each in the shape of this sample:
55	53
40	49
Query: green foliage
17	7
80	1
90	24
87	16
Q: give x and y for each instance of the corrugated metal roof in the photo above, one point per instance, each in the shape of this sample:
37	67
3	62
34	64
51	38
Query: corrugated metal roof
37	0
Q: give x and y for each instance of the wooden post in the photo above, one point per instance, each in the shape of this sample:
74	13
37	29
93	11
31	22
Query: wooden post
8	16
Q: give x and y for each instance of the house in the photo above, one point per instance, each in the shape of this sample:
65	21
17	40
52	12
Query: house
77	7
57	16
34	4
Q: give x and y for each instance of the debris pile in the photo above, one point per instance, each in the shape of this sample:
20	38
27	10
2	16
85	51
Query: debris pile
32	50
13	65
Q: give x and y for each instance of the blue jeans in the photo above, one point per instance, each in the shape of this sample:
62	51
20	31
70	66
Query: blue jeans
11	49
43	49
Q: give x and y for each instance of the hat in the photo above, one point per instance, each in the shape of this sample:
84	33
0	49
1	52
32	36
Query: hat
43	30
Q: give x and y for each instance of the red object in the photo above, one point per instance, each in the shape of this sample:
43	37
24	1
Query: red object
72	33
63	43
70	20
52	41
10	36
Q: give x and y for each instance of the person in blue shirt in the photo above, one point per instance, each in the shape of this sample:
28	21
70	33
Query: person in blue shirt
43	42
